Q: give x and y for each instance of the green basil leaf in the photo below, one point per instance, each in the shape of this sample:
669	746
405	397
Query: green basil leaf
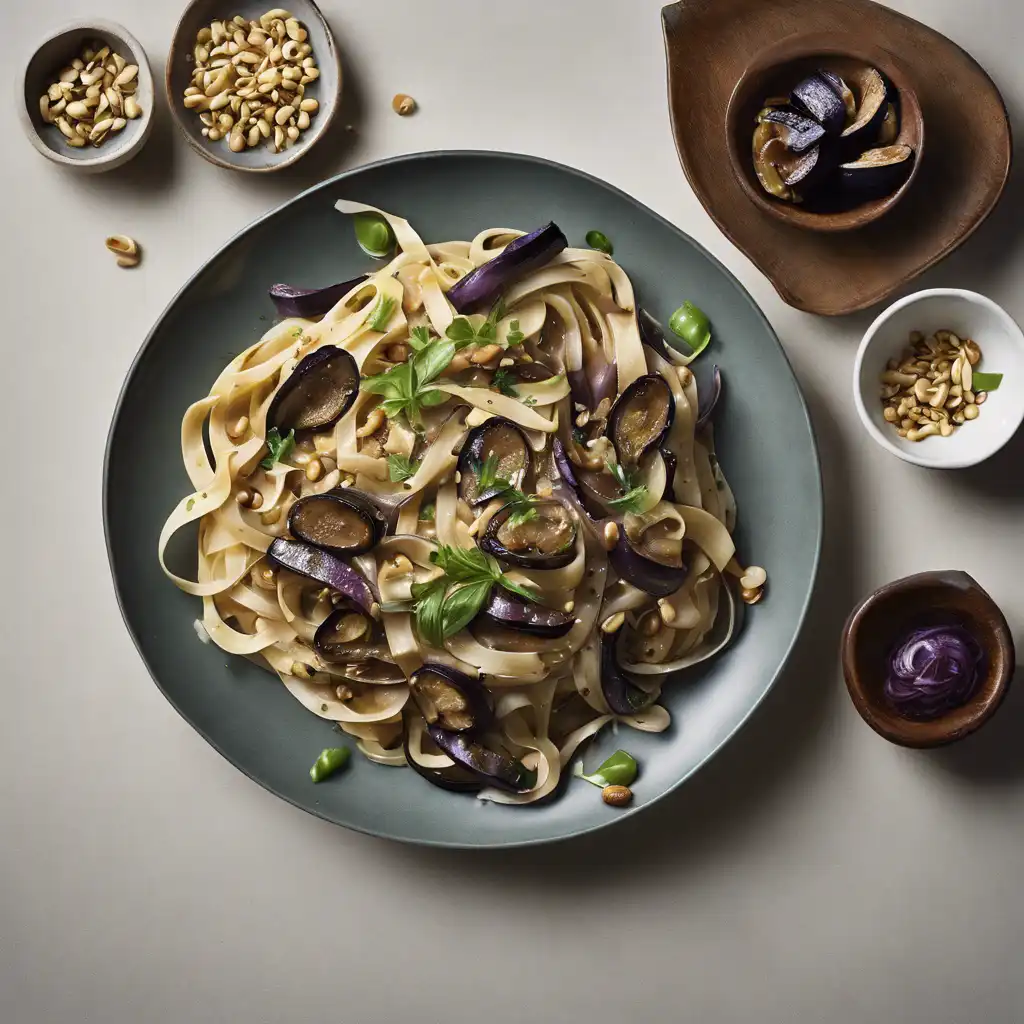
431	362
464	565
515	336
431	398
498	311
487	333
394	407
618	770
463	604
632	501
428	610
985	381
515	588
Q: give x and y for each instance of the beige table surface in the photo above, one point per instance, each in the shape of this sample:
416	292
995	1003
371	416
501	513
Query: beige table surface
812	873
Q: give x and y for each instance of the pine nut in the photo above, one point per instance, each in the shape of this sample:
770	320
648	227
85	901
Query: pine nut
239	427
613	623
668	613
314	470
610	535
753	578
971	412
373	423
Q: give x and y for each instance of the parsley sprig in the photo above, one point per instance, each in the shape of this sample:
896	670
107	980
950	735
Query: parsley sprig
401	468
633	494
406	387
280	447
504	381
447	604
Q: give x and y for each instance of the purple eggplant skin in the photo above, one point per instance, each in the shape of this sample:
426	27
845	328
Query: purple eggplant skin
495	769
455	778
708	400
645	391
305	514
323	567
475	451
333	653
670	475
481	288
503	609
308	303
654	578
818	98
317	393
863	180
478	711
621	695
565	470
798	133
492	545
875	94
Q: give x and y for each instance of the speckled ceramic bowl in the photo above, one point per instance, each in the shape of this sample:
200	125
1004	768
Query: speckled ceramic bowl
55	52
326	90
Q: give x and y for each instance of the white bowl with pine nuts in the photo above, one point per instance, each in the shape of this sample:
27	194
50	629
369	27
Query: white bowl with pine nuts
967	437
233	64
115	123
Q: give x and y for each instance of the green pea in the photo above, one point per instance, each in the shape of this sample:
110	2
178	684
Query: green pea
374	235
599	241
331	759
690	324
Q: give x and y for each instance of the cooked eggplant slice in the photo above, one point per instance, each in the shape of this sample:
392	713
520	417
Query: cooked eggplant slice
494	767
495	456
798	133
344	521
506	610
643	571
450	699
323	567
818	97
622	695
545	540
890	129
844	92
805	169
872	103
641	417
347	637
877	173
317	393
452	777
768	152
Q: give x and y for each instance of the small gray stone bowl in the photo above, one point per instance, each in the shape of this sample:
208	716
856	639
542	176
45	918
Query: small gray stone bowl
56	52
326	90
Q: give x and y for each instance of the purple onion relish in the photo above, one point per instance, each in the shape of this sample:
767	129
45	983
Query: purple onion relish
933	670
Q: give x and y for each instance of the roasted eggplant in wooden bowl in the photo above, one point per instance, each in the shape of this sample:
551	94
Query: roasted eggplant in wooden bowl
825	133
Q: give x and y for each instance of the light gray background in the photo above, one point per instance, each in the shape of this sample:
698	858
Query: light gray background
811	873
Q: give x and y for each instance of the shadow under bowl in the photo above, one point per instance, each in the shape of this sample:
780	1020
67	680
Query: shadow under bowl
774	72
880	622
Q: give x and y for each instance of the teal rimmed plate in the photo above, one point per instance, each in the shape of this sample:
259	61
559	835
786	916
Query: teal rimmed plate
765	444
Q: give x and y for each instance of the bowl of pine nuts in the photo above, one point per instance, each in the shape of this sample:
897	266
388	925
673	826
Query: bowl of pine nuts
255	89
86	97
939	378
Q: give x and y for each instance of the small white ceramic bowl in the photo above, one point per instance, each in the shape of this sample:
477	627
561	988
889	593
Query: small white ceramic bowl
56	52
967	315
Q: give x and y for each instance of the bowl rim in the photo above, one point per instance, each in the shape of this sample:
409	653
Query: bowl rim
327	112
865	345
124	147
798	47
987	705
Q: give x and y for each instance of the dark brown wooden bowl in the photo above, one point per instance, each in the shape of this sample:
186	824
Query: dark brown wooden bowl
774	72
880	622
